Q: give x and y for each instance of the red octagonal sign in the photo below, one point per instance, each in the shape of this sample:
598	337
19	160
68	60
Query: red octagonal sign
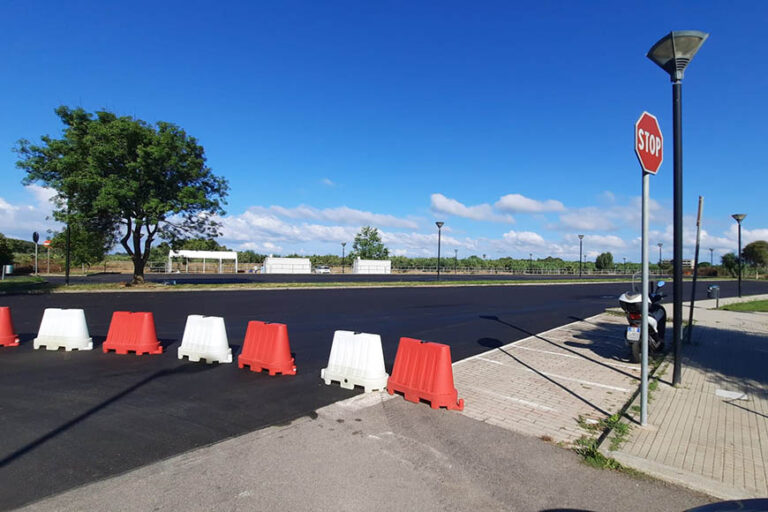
649	143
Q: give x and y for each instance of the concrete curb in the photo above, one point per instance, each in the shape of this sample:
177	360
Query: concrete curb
680	477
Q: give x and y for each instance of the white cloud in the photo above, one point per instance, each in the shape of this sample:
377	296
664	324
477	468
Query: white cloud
586	219
611	218
482	212
517	203
19	220
341	215
328	182
43	195
523	238
257	227
602	242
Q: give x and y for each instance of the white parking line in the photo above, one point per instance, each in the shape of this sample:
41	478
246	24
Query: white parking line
618	365
511	399
562	377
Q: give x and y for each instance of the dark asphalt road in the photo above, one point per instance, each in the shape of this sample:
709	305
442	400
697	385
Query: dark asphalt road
316	278
72	418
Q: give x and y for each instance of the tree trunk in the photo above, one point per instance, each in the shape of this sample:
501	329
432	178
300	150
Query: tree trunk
138	270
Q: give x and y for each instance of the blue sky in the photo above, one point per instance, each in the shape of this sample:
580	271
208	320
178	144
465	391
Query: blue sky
511	122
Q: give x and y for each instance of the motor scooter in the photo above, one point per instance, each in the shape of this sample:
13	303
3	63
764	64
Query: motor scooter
631	304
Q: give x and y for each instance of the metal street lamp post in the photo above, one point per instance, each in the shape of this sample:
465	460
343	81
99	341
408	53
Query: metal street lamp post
673	53
530	262
625	265
35	238
660	246
738	217
343	245
581	239
439	225
711	257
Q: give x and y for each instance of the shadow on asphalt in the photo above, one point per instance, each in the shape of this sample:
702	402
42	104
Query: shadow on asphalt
186	368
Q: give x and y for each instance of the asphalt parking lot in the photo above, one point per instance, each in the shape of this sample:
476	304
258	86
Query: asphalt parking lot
244	278
72	418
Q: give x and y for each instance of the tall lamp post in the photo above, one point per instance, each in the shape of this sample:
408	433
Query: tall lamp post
581	240
738	217
673	53
711	257
530	262
439	225
343	245
660	246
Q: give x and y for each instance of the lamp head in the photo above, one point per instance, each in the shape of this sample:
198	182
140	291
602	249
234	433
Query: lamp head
581	237
738	217
673	52
439	224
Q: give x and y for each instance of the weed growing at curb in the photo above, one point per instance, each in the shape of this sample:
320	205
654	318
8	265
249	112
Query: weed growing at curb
587	447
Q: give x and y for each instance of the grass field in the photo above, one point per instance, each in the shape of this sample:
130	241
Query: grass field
755	305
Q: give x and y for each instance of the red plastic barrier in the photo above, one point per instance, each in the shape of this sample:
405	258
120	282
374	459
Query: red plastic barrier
423	371
7	337
132	332
266	347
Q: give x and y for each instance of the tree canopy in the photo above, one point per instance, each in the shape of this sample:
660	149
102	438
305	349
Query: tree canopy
126	180
756	253
730	263
88	245
6	254
604	261
368	245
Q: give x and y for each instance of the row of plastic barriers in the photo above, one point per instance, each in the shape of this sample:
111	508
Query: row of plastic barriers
422	370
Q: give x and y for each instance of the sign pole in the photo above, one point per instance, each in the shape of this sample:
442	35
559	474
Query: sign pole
695	272
649	148
644	324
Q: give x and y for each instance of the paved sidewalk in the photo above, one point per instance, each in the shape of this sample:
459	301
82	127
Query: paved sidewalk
711	433
543	384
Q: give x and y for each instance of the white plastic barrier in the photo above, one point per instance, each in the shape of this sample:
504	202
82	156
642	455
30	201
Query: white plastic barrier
356	360
63	328
205	337
371	266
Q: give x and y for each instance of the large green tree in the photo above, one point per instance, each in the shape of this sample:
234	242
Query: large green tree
604	261
756	253
368	245
136	182
6	255
730	263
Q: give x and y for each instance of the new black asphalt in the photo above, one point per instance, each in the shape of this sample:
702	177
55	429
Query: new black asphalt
245	278
70	418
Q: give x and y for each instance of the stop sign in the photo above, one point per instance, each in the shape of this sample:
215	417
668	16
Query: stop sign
649	143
